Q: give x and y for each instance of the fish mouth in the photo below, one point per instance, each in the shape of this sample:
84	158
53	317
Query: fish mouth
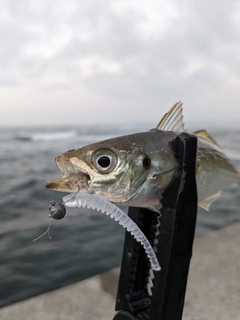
62	184
73	178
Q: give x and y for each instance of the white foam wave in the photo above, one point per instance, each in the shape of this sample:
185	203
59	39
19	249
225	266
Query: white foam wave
58	135
47	136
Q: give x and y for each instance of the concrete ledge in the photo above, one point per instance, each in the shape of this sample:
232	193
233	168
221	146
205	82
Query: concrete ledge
213	288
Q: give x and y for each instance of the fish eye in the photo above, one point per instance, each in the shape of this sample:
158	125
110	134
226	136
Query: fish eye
104	160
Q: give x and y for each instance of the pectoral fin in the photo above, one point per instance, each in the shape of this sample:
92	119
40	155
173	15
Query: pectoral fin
205	204
165	177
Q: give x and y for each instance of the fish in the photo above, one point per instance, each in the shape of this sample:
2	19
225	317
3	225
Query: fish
135	169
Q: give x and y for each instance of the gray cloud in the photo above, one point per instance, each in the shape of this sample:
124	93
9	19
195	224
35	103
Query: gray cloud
115	56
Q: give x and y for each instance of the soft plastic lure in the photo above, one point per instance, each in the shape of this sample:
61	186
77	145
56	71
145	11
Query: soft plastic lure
92	201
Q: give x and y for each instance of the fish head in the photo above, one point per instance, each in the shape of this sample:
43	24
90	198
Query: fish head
115	169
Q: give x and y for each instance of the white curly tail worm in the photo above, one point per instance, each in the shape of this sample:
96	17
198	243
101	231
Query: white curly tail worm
82	200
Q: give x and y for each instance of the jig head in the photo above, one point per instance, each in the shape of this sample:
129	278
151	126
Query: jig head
57	210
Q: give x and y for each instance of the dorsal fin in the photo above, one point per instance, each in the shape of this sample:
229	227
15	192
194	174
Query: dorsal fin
205	135
173	119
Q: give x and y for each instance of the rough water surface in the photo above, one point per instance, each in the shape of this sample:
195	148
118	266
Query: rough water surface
85	242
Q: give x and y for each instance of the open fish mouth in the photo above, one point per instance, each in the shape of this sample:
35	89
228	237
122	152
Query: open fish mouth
73	178
62	184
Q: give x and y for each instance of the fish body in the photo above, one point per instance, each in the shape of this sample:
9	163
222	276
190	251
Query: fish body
134	170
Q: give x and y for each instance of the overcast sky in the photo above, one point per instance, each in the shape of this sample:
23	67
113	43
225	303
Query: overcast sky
119	61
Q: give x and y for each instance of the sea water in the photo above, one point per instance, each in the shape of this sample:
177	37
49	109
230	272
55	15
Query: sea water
85	242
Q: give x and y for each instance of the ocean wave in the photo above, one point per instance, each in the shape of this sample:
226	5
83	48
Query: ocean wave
78	249
45	136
